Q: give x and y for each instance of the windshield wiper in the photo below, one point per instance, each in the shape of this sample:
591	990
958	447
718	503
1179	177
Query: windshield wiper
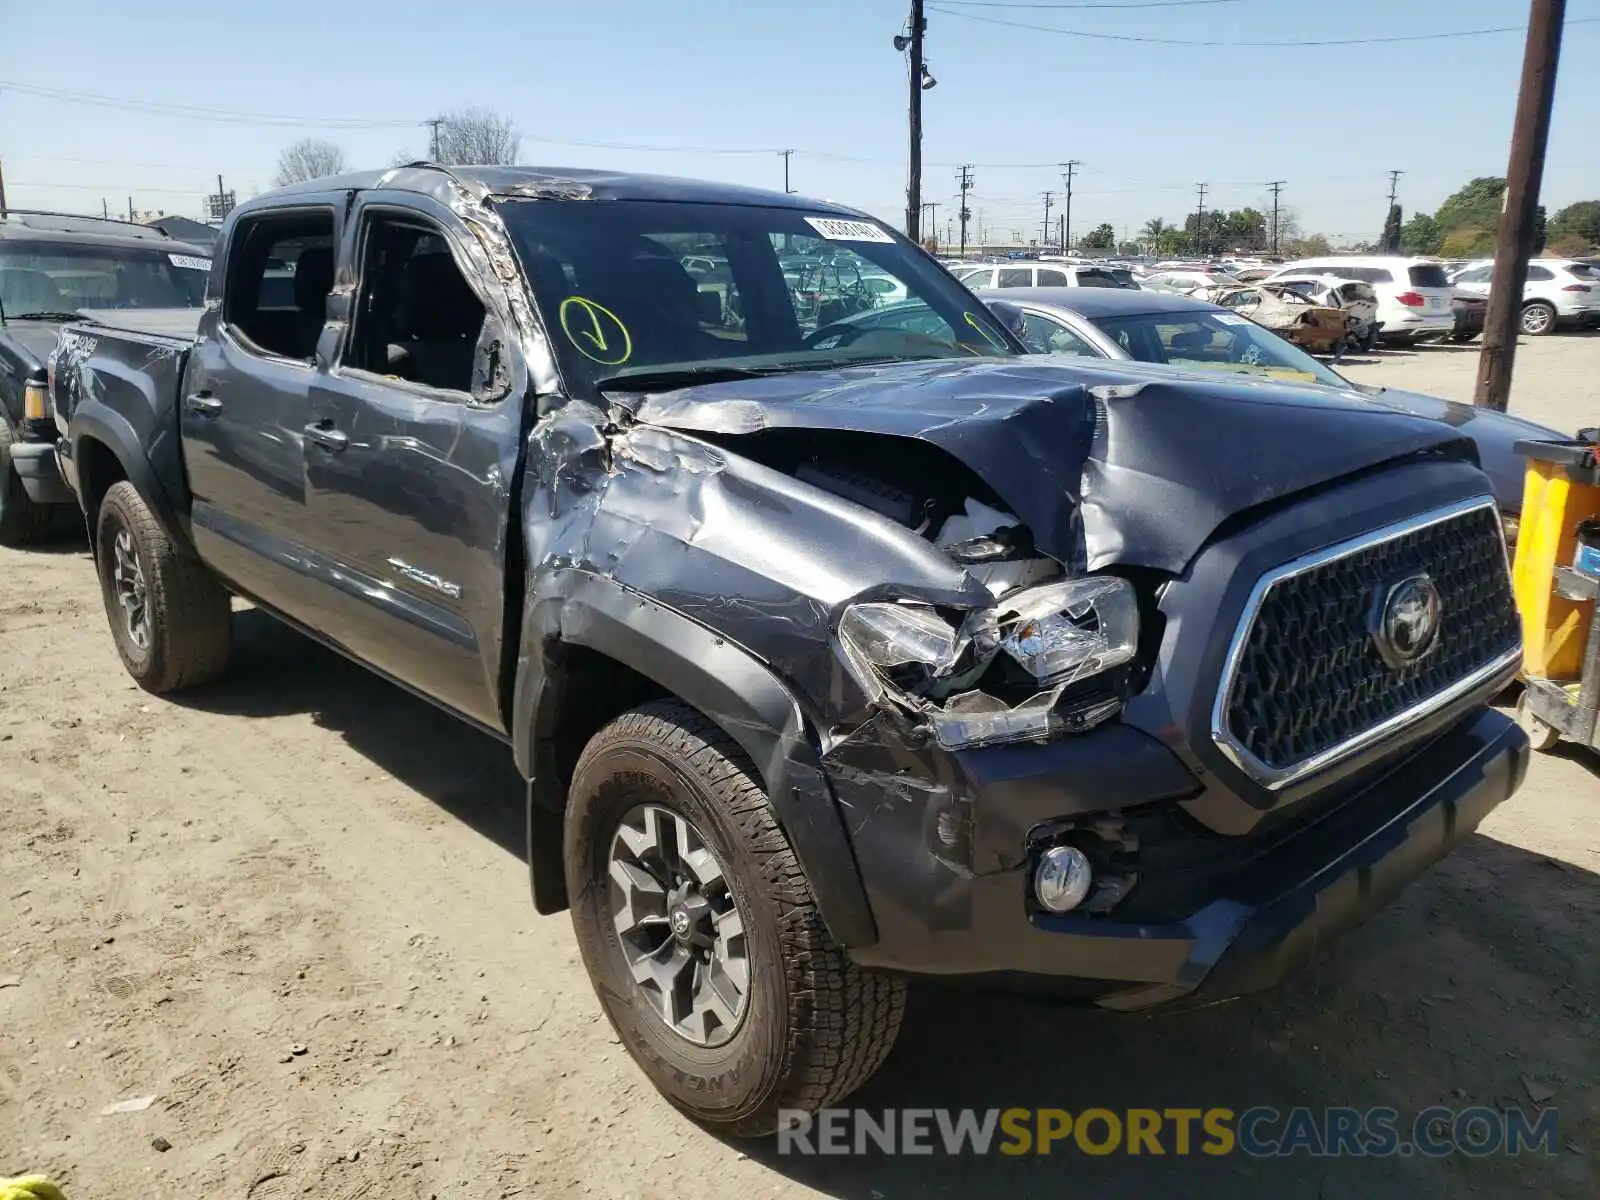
43	316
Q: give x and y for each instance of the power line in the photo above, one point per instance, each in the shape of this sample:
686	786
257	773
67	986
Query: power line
1232	42
195	112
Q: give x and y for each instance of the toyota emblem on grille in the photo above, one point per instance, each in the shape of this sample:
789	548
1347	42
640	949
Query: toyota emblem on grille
1405	621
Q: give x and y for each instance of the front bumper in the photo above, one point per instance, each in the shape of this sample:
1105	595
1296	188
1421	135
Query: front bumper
35	463
1256	923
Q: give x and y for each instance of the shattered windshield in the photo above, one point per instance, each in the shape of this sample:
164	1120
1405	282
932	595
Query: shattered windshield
651	292
58	278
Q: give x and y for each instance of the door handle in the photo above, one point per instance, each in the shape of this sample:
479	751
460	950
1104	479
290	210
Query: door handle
325	435
203	403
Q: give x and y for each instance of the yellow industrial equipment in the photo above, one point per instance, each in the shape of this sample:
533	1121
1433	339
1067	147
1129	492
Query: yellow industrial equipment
1556	576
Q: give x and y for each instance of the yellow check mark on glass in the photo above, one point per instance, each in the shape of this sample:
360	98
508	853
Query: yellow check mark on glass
589	332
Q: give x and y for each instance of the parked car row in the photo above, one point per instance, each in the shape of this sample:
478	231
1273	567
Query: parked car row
839	638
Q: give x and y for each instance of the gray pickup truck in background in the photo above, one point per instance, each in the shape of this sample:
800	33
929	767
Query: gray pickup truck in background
833	655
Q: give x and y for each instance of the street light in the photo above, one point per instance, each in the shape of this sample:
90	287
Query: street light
928	81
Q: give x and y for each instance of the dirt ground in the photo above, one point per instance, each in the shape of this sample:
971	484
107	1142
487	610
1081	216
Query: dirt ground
291	908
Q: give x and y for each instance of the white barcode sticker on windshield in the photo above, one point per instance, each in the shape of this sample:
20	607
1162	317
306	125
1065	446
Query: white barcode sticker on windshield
1230	319
848	231
189	261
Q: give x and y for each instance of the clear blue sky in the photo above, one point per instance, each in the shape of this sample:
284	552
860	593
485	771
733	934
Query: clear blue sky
1148	121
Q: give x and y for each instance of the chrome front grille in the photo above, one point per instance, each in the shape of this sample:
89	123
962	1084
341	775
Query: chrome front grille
1307	682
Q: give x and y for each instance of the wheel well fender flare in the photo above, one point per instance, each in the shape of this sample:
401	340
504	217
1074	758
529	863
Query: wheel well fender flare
113	431
706	671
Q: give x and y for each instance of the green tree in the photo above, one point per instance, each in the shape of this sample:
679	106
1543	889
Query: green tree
1476	206
1312	245
1153	229
1102	237
1578	222
1246	229
1173	243
1541	230
1467	243
1389	243
1420	235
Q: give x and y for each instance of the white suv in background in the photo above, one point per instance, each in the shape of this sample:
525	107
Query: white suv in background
982	276
1559	291
1414	294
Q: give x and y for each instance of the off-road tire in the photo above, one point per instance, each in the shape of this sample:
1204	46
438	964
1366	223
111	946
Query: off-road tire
189	614
815	1026
22	522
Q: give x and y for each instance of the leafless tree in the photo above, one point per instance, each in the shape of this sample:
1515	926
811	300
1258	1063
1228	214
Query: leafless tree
309	158
476	136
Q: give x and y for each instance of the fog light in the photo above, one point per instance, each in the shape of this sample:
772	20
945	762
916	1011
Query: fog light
1062	879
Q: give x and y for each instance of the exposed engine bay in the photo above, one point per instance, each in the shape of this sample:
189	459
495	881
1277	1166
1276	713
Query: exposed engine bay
1048	657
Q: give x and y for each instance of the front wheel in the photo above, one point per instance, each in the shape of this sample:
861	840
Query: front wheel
700	933
1538	318
171	619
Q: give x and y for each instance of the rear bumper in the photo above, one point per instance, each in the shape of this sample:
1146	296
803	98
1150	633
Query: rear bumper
35	463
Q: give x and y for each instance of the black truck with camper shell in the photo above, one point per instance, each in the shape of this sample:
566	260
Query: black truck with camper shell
52	267
832	655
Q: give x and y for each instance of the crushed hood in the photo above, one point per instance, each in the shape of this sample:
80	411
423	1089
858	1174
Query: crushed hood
1105	462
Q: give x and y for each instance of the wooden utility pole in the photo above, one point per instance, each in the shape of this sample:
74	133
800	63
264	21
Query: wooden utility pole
1518	210
2	189
966	213
919	26
787	154
1071	165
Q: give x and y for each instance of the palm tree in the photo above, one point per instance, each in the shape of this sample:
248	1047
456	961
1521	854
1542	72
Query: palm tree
1153	229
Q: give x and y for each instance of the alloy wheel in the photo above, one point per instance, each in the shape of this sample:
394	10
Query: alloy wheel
678	925
127	578
1536	319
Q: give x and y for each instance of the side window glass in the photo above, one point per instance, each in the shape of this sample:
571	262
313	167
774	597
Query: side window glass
1050	278
1044	336
280	272
417	318
1539	274
1016	277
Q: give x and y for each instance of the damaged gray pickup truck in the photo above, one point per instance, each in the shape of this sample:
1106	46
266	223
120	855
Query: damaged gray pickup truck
833	655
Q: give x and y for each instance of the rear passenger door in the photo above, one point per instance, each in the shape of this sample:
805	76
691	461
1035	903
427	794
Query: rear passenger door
410	449
246	396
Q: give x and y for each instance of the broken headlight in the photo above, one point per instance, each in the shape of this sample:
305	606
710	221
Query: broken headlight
1058	634
1066	631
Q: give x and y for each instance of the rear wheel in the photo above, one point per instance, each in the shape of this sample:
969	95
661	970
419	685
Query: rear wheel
171	619
21	520
700	934
1538	318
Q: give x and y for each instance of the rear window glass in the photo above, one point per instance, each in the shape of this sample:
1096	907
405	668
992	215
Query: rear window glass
1582	271
1100	279
1428	275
